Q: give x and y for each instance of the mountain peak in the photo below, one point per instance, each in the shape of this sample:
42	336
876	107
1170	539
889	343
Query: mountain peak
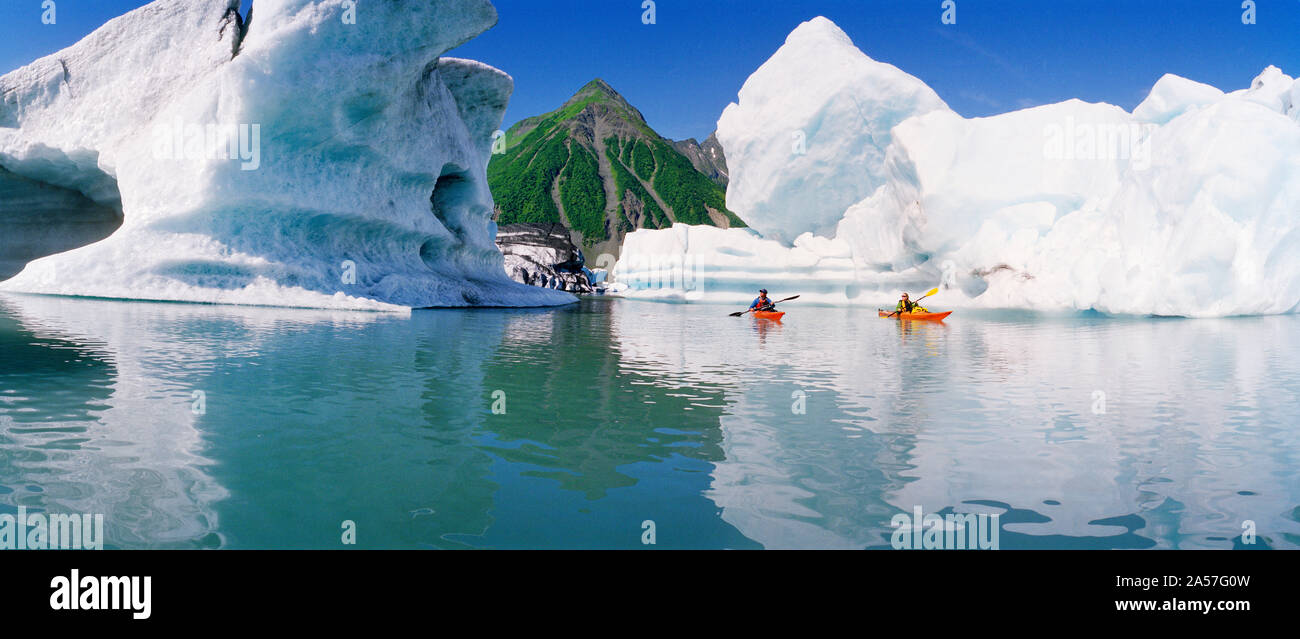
601	86
599	91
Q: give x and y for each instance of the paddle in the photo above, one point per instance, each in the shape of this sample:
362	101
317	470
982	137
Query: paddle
933	291
739	313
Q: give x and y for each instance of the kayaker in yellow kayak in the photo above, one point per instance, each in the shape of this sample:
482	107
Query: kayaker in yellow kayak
906	305
762	303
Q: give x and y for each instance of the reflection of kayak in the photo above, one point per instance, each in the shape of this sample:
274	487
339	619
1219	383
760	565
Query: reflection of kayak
933	317
772	315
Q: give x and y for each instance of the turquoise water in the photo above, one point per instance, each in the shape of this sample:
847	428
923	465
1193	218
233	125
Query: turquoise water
210	426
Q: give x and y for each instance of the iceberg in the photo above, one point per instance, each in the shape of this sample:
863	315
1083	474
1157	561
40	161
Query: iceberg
1188	206
816	113
301	157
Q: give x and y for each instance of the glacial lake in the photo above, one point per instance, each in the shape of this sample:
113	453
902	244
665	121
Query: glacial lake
199	426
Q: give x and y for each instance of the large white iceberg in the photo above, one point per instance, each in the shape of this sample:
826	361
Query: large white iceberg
1188	206
791	139
322	154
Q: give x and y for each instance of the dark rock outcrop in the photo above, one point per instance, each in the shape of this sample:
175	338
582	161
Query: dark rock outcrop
543	255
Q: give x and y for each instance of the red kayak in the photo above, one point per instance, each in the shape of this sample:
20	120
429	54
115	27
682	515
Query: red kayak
769	315
929	317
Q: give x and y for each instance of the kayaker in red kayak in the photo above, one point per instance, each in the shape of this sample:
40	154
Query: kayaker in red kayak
762	303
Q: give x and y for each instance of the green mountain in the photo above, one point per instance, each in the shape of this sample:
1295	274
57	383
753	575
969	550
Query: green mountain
595	166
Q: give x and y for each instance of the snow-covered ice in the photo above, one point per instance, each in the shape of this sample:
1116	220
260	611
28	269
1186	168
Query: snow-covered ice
300	159
1188	206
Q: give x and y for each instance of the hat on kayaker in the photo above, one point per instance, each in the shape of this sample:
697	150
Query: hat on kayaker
763	291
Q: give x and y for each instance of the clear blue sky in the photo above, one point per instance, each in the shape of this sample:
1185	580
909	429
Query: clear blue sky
682	71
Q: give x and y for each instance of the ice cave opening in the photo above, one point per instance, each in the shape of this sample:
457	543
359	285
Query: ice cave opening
38	218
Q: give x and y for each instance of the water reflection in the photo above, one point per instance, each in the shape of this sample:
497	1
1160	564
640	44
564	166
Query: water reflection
566	428
86	426
1186	440
311	419
762	327
590	412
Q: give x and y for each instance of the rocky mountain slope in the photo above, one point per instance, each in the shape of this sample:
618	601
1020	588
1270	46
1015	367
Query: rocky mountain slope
707	158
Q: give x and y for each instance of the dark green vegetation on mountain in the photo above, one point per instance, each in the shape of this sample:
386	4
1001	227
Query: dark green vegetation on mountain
595	166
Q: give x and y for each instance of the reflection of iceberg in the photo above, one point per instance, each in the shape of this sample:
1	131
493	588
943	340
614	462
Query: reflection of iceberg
760	495
863	183
84	420
777	483
1185	453
315	417
1173	448
299	429
298	159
